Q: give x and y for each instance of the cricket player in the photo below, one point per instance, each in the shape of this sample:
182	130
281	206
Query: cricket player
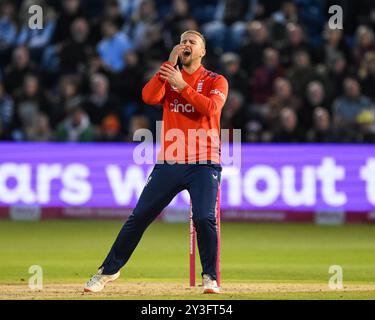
192	99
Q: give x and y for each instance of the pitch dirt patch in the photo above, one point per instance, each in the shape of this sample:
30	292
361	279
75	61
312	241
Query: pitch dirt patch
147	290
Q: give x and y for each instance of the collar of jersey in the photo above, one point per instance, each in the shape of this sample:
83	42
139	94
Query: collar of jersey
195	73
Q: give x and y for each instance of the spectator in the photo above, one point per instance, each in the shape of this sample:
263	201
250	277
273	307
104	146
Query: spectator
76	50
251	51
96	65
179	11
364	43
70	11
253	132
100	102
67	97
321	132
237	80
229	26
288	130
265	8
295	41
187	24
6	111
128	7
346	108
112	11
337	71
265	76
283	97
113	46
367	75
16	72
3	135
315	97
153	45
366	128
233	11
333	44
287	15
126	85
302	72
29	101
142	18
137	122
41	131
234	111
313	15
111	129
8	31
75	128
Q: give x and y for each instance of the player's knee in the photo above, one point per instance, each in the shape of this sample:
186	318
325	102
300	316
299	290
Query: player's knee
204	221
138	218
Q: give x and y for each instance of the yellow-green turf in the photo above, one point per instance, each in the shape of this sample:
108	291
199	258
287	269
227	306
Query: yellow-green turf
70	251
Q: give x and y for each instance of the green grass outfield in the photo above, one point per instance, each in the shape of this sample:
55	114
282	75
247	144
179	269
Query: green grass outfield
265	261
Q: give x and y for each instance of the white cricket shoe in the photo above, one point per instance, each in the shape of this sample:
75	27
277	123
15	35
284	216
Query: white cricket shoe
209	285
99	280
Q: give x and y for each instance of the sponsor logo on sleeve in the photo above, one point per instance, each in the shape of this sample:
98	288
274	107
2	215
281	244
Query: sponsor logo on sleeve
218	92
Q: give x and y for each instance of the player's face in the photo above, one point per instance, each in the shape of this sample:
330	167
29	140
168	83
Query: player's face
194	49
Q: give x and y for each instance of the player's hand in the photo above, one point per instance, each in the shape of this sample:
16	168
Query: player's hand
175	53
173	76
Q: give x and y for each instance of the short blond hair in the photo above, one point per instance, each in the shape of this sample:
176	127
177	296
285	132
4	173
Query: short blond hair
196	33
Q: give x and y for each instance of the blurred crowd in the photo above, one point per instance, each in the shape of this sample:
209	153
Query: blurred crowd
291	77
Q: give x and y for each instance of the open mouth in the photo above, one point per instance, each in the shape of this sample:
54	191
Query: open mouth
186	53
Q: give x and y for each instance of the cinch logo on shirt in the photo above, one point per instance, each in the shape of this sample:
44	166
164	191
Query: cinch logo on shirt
218	92
179	107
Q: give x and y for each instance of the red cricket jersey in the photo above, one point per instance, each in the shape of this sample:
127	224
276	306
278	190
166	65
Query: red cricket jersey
191	118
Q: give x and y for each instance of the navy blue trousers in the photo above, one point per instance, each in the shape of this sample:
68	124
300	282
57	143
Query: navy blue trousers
165	182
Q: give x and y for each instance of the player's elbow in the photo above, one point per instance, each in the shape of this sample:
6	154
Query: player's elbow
212	110
209	113
147	97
